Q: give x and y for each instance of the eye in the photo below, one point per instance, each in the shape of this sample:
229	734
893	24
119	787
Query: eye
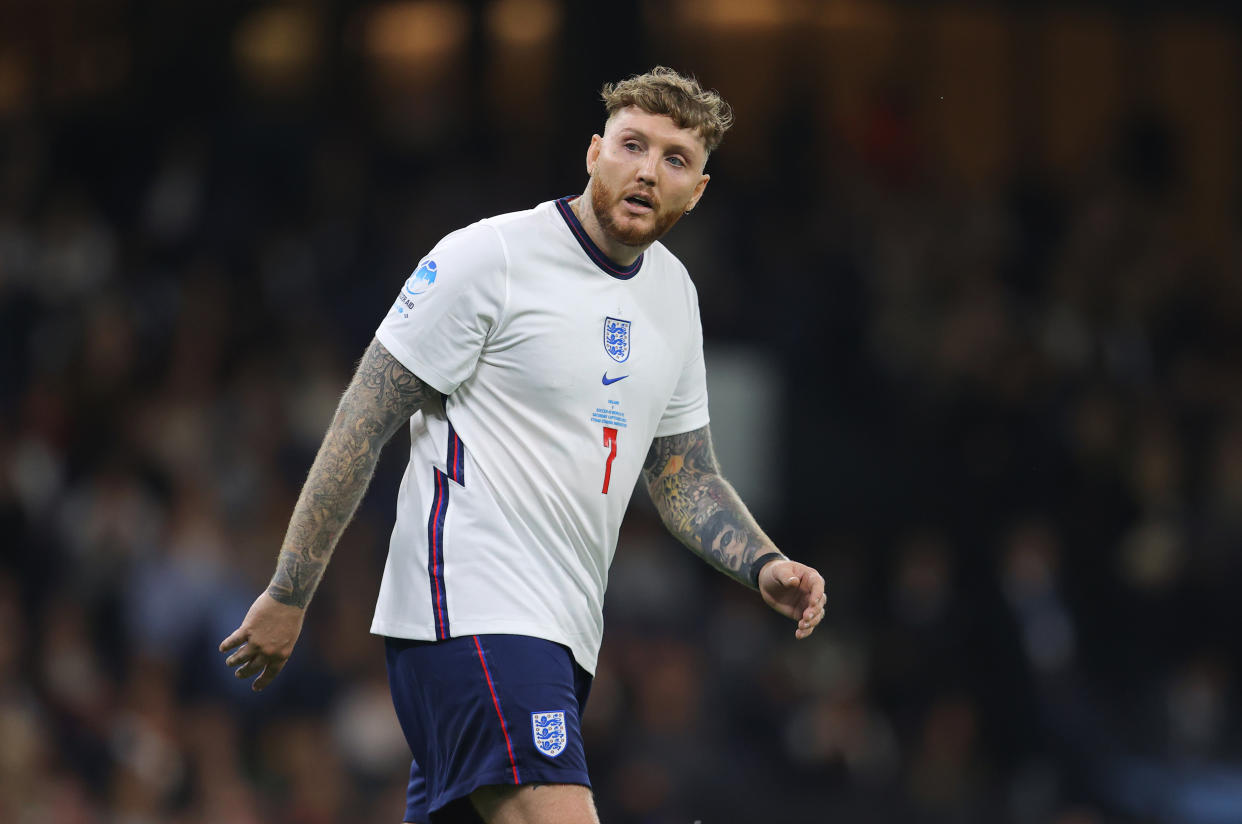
632	145
677	161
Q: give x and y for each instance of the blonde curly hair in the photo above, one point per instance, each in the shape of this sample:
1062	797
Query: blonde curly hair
665	91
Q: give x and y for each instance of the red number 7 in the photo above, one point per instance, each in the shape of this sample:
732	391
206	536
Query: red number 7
610	439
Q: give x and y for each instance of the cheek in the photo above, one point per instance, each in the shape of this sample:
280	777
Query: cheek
679	195
610	171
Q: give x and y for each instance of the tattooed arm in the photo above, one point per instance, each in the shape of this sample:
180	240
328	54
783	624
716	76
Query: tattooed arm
700	507
704	512
380	399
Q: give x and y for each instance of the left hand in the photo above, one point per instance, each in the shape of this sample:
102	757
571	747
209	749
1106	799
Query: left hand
796	591
266	638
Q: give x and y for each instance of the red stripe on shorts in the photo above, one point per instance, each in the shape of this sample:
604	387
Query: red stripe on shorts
496	704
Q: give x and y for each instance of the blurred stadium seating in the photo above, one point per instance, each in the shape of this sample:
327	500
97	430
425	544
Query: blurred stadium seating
988	254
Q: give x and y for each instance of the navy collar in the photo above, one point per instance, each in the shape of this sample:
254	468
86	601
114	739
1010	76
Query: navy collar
596	254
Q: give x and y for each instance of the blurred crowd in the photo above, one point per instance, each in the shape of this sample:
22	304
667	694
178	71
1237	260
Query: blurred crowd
1011	438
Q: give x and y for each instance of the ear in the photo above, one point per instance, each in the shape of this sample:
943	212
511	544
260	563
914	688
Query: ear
592	155
698	192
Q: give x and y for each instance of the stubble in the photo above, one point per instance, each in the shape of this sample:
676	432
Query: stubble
603	199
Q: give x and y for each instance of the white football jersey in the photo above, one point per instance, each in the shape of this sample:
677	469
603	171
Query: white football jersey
557	368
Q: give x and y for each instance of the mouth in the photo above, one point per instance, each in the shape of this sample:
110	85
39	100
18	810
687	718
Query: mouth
640	204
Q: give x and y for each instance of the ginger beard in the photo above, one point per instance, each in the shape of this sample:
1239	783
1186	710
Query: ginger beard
603	199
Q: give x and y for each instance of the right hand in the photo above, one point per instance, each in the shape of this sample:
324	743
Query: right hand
796	591
266	638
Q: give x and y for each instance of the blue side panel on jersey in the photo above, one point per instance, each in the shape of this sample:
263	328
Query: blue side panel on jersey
456	458
455	463
435	554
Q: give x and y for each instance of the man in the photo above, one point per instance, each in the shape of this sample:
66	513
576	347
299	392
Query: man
537	358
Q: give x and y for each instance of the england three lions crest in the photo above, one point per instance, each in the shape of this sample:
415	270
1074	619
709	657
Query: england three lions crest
617	338
549	729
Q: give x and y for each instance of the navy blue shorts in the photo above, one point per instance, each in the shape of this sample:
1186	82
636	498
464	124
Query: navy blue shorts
486	709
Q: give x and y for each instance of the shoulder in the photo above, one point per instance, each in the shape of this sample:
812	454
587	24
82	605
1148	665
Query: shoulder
519	219
671	270
477	246
481	232
538	243
661	255
506	233
514	225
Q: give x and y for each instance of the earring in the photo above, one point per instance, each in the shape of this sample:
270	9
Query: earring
688	211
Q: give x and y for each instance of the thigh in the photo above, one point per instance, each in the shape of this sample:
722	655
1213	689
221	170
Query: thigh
535	804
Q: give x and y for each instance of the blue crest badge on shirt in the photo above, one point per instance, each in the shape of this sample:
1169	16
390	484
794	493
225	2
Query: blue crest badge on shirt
549	730
424	278
617	338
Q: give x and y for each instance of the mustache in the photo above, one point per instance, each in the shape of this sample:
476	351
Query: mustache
646	195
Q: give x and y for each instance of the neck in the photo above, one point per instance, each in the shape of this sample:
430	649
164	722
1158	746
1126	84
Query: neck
618	253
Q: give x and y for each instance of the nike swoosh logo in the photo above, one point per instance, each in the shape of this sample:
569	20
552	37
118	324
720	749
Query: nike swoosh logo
610	381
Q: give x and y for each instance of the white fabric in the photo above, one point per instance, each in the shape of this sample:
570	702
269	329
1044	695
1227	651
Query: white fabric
512	332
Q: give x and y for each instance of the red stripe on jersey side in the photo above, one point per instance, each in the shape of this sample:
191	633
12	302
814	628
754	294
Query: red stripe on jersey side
496	703
459	467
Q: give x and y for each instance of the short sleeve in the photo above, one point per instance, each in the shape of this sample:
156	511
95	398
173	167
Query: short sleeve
448	307
687	408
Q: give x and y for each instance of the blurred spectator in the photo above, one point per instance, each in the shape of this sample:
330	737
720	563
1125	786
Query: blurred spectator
1009	371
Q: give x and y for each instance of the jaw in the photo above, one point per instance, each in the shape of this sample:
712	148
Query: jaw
625	216
627	224
634	229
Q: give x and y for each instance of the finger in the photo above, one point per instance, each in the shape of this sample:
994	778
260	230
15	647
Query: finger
240	657
813	586
238	637
251	667
814	612
273	669
817	597
807	627
818	587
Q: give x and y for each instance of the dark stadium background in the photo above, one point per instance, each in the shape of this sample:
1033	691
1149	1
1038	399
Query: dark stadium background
970	278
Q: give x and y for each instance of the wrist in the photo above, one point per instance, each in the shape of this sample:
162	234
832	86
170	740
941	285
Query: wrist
757	565
285	597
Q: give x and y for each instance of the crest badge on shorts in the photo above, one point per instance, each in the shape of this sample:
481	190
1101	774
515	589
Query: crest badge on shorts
617	338
549	730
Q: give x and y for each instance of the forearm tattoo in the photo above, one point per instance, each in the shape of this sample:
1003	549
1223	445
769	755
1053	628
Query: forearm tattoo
381	397
699	506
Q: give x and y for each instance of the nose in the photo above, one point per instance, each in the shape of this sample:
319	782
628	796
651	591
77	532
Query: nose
647	169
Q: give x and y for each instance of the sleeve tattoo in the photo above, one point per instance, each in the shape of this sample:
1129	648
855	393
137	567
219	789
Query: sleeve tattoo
699	506
381	397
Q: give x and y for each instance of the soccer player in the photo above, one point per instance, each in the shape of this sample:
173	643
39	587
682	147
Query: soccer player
542	360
